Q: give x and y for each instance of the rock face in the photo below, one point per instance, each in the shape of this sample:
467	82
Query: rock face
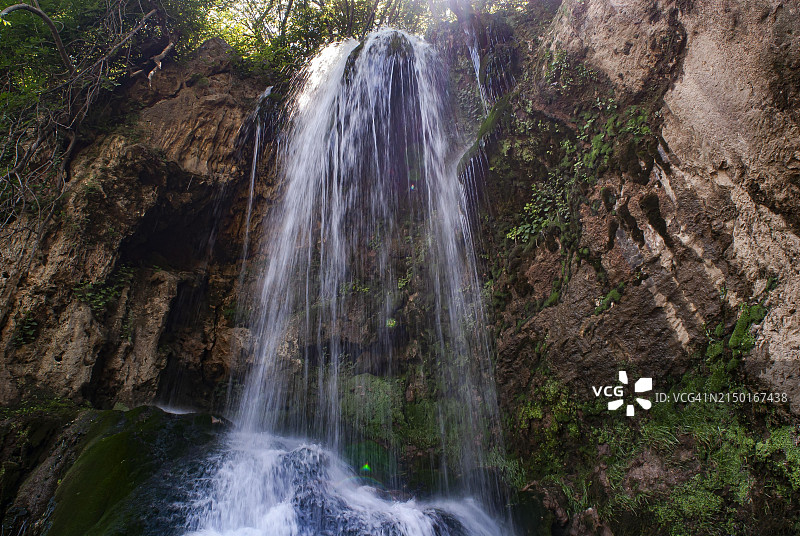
193	113
730	125
94	471
712	225
668	251
729	199
131	243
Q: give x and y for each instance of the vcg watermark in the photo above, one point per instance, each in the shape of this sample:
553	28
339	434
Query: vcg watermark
635	394
617	392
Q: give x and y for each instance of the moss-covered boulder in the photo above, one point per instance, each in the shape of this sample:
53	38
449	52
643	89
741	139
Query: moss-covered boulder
125	480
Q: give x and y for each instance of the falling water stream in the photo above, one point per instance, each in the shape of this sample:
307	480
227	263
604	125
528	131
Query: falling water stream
370	203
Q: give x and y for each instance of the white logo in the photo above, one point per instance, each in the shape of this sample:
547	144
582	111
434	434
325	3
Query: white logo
642	385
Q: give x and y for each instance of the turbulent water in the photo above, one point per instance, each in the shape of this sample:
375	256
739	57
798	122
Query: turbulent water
263	485
370	204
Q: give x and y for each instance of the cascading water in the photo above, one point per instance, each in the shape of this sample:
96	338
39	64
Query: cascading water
369	187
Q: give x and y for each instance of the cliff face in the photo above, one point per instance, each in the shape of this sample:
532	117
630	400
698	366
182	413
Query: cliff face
705	223
728	197
663	150
132	248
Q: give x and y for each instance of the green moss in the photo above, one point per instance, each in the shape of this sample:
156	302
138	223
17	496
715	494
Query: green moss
105	490
495	114
715	350
27	436
690	501
781	452
420	430
107	472
528	411
741	340
748	457
553	298
372	406
548	418
614	296
721	436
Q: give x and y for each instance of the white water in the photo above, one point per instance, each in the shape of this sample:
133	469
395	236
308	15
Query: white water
367	163
265	485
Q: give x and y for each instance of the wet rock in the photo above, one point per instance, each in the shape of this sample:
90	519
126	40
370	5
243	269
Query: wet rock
101	469
90	317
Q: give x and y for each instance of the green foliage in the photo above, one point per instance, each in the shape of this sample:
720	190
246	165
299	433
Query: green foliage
354	287
721	437
403	281
549	205
510	469
614	296
25	331
99	295
741	340
745	453
566	74
30	65
44	103
280	36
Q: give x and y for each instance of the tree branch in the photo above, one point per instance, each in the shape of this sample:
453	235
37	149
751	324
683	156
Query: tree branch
47	20
158	59
282	29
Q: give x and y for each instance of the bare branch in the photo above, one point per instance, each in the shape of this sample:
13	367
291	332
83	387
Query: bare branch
158	59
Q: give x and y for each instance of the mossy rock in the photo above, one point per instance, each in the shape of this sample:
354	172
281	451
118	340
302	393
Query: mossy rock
422	429
121	470
372	406
27	435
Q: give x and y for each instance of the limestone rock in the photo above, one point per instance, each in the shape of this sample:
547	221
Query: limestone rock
92	314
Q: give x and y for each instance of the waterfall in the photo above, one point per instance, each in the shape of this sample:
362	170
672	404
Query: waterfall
471	41
369	252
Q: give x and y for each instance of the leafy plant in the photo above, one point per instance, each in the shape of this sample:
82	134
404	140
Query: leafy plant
549	205
99	295
566	74
26	330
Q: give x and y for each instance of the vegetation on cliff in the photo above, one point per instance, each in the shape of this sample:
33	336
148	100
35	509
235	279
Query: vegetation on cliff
583	150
